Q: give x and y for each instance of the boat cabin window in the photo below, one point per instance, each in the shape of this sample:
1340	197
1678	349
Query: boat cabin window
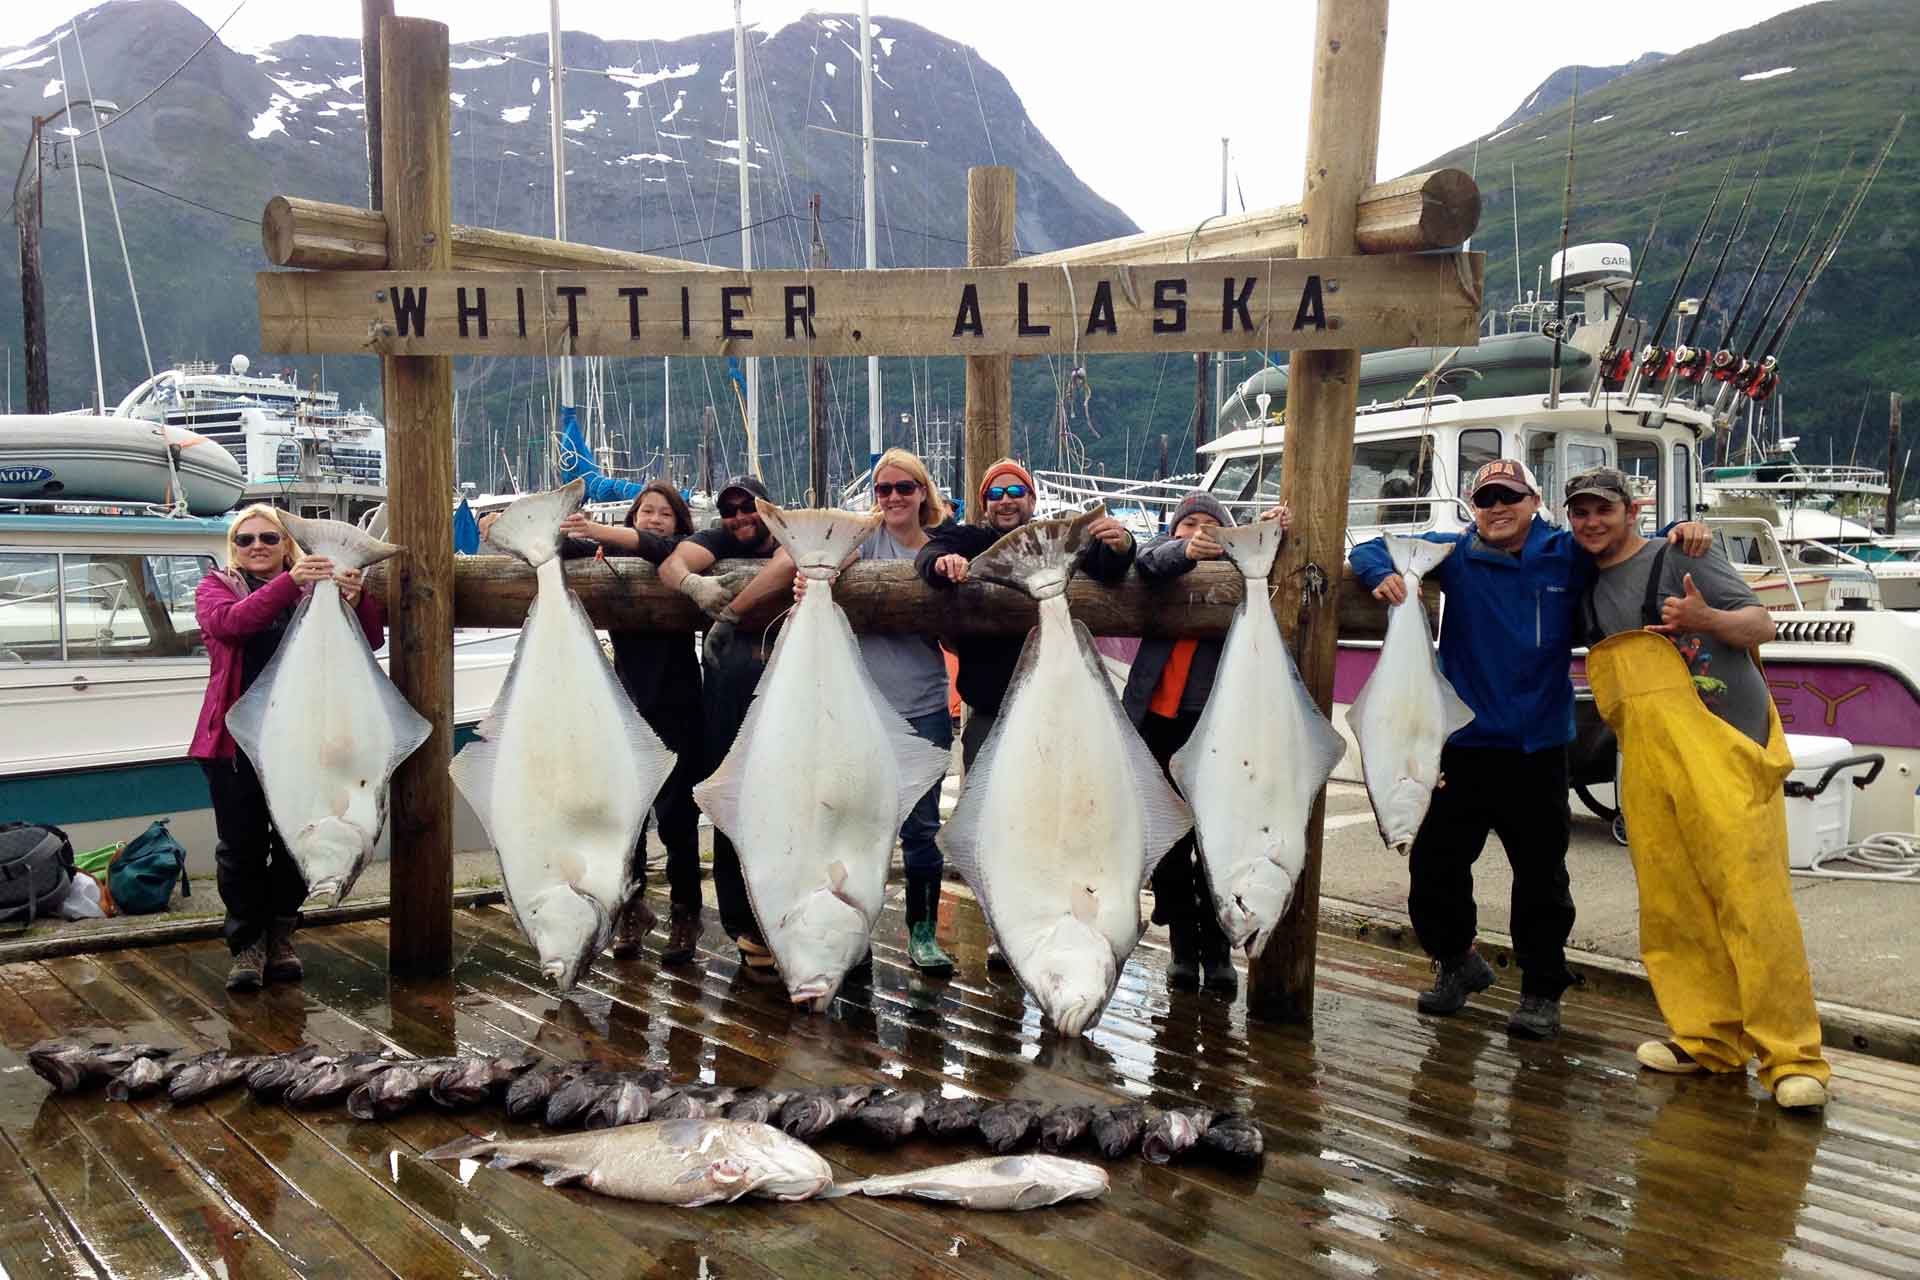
1478	447
86	606
1640	459
1235	482
1545	468
1553	458
1682	483
29	608
1390	469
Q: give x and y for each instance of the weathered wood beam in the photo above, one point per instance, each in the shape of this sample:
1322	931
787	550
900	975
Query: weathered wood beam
1343	140
313	234
1421	211
416	173
1387	300
878	597
988	408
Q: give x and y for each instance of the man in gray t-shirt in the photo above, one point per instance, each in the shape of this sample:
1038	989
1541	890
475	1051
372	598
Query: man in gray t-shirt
1726	677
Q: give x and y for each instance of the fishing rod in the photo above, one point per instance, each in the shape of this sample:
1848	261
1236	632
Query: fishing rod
1765	377
1689	361
1615	364
1566	221
1655	361
1722	355
1729	378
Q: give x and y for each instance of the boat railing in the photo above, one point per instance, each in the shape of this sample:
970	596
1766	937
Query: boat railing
1763	534
1390	518
84	507
1818	478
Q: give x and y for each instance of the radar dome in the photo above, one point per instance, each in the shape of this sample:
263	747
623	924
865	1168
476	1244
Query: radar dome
240	365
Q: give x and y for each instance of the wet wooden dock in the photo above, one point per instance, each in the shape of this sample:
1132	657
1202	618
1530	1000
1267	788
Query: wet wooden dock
1396	1145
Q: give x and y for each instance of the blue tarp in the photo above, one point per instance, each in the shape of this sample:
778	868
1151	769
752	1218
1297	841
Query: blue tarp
576	461
466	530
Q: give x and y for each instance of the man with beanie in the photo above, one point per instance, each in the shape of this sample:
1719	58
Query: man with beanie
732	665
1166	691
1004	503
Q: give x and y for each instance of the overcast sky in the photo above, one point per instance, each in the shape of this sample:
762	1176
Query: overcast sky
1135	96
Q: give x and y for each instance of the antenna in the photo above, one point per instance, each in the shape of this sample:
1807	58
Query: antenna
1513	186
1566	222
1614	364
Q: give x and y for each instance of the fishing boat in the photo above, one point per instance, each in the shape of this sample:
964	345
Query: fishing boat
102	670
1819	513
63	456
297	447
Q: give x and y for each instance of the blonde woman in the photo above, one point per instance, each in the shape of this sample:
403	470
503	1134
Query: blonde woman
243	610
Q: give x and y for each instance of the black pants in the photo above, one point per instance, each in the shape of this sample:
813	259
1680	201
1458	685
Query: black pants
974	736
258	878
726	695
678	819
1181	898
1521	797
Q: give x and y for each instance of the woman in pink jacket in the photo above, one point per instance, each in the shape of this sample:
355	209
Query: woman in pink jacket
243	611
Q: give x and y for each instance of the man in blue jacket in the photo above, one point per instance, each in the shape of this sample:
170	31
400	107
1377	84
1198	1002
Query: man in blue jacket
1513	585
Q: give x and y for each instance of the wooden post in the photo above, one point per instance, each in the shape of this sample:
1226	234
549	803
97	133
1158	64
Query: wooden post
817	391
1343	138
709	423
417	186
33	293
1893	465
989	415
371	12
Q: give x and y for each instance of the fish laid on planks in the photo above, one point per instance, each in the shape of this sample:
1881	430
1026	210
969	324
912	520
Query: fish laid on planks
997	1182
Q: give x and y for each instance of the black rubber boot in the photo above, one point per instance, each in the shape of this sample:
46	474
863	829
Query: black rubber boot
1183	973
923	908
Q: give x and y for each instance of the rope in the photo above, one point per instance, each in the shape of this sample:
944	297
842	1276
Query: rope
113	200
1889	856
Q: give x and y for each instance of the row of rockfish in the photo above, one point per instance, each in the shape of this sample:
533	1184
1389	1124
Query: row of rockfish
585	1095
823	772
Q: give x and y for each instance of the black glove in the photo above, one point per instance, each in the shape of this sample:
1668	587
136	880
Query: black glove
720	639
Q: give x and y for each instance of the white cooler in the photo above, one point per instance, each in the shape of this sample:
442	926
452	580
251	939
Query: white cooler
1820	817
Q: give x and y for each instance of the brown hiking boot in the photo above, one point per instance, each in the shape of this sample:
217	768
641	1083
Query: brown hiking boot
636	921
248	963
283	963
683	937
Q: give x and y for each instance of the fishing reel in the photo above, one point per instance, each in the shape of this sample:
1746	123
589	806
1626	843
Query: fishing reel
1763	382
1615	367
1656	362
1690	363
1726	366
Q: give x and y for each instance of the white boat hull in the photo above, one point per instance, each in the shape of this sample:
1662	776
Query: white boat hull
80	456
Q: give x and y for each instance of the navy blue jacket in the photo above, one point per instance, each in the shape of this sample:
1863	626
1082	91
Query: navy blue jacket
1506	641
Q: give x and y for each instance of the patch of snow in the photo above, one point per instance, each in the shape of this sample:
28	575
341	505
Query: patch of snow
679	101
832	24
18	57
53	87
474	64
313	142
1493	137
28	66
457	99
1604	119
583	122
1768	75
326	113
829	110
648	157
886	45
628	77
346	83
323	129
735	160
536	86
516	115
1678	133
833	72
896	113
726	80
1530	101
678	137
346	106
67	131
893	169
300	88
882	79
268	122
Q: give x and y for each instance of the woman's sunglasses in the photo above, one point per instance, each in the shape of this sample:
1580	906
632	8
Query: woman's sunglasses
905	488
1487	499
995	492
247	539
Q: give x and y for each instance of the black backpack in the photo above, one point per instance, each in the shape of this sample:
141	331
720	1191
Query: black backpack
36	870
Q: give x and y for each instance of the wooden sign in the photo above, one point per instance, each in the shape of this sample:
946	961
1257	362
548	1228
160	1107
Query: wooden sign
1328	303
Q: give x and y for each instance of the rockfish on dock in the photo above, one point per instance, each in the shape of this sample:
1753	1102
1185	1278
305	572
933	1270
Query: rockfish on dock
679	1162
997	1182
1065	813
820	776
565	770
1406	711
324	726
1257	758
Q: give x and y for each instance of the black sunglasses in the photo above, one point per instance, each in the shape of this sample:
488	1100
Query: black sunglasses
246	539
995	492
730	509
1487	499
905	488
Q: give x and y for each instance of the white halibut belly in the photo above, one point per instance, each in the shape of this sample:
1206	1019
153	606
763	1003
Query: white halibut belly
1402	728
1061	805
330	740
567	795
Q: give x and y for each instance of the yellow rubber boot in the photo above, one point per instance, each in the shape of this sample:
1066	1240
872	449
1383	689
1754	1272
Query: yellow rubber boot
1707	823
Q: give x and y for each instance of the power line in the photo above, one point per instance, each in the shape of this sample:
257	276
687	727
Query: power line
171	195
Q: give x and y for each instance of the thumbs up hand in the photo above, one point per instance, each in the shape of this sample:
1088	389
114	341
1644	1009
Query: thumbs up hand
1691	612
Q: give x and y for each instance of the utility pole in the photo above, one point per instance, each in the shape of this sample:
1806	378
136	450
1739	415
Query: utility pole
1200	408
817	388
33	294
1893	461
1220	364
371	11
707	424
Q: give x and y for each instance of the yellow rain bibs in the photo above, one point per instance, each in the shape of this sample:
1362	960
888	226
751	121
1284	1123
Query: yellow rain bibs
1707	822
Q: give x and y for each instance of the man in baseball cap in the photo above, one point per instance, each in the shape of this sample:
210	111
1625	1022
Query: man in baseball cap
1513	584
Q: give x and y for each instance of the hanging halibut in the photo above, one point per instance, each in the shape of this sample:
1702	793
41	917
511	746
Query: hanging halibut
565	770
323	726
1065	812
1257	758
1406	711
821	774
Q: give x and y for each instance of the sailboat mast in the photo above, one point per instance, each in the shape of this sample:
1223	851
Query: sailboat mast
746	227
556	110
871	219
